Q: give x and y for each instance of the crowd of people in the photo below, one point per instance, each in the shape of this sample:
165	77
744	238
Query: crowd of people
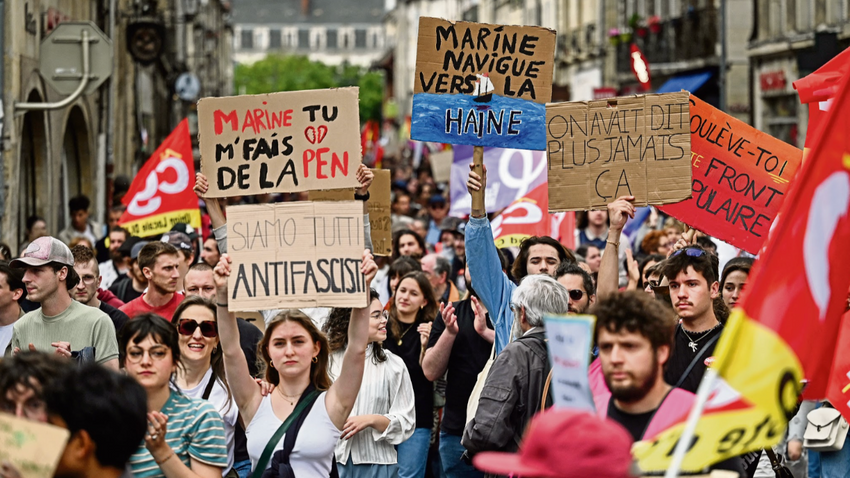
129	344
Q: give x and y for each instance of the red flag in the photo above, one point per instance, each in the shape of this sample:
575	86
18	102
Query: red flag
798	287
161	194
529	216
818	90
838	390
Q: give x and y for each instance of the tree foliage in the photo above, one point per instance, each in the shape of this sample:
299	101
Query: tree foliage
277	73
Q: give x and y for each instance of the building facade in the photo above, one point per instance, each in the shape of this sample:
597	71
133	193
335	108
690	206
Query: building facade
791	39
51	156
330	31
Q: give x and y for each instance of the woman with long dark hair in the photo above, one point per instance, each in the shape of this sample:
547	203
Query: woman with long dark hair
295	358
201	374
412	310
732	281
185	435
383	414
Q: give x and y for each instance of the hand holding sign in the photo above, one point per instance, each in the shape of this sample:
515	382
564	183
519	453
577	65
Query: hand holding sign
364	177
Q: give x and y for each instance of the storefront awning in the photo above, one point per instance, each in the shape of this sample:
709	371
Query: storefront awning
689	83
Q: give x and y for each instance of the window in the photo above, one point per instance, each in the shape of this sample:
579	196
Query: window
304	38
332	39
275	41
359	38
247	39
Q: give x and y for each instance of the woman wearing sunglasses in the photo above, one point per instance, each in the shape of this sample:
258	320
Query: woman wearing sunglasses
202	372
185	435
383	413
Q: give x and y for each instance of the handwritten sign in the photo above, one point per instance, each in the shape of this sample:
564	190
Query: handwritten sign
570	338
280	142
740	177
33	448
602	149
294	255
441	166
482	85
379	213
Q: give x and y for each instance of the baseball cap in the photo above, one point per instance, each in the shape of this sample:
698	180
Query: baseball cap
134	253
44	250
185	229
454	224
179	240
598	448
127	247
436	199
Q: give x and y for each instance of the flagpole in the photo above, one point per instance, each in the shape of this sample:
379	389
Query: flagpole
691	425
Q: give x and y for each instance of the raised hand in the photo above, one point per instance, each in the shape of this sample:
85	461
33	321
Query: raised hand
365	177
619	211
476	182
449	318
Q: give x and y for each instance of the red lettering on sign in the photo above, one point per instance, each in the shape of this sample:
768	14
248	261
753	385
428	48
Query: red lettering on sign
219	117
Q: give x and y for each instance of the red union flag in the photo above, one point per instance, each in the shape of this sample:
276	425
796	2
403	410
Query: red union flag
818	90
529	216
788	325
161	194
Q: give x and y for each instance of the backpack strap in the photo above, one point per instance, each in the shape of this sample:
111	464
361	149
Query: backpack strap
306	401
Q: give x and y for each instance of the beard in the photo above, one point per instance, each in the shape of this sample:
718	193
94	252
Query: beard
637	390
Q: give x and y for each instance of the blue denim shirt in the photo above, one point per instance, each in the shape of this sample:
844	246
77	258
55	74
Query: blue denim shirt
492	285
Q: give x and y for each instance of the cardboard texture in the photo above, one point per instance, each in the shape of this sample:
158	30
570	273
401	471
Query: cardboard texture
280	142
603	149
33	448
482	84
294	255
441	166
346	194
379	213
740	178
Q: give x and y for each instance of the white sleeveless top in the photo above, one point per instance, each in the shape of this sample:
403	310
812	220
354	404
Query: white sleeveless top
314	448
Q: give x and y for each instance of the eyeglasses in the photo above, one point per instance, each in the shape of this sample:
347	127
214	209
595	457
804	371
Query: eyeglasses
187	327
88	279
156	354
690	251
385	315
576	294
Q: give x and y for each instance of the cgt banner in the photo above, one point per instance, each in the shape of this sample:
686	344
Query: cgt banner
529	216
161	194
740	177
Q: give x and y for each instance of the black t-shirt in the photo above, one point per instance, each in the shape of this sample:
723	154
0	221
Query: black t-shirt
249	337
423	389
118	318
635	424
683	354
123	289
468	356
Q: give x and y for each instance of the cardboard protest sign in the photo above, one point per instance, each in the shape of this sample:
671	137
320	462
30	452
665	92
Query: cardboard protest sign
740	177
33	448
482	85
570	340
280	142
346	194
379	213
602	149
161	194
294	255
441	166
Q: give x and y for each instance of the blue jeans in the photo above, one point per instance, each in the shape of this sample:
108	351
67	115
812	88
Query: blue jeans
450	452
243	468
836	464
413	454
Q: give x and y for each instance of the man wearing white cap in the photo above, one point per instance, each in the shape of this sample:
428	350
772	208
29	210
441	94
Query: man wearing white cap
61	325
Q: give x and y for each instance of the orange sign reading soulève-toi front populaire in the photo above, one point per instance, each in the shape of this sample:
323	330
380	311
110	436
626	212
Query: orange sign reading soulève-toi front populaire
740	177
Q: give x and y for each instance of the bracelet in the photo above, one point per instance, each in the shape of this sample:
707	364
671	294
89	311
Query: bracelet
615	244
221	305
362	197
166	458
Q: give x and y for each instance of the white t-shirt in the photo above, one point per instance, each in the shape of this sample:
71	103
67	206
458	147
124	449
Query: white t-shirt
218	397
5	337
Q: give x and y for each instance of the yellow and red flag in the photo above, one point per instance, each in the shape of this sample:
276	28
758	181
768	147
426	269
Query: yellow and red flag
788	323
161	194
529	216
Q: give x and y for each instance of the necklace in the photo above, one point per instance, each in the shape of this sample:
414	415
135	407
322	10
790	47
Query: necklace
287	397
693	343
405	332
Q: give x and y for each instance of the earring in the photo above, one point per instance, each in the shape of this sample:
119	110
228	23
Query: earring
271	364
316	359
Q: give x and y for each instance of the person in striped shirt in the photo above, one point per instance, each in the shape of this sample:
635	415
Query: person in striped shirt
185	436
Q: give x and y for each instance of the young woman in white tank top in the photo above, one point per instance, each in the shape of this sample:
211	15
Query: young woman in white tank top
295	355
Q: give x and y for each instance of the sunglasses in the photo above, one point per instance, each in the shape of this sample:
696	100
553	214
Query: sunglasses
576	294
690	251
653	283
187	327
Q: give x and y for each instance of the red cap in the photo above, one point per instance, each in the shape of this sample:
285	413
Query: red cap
565	443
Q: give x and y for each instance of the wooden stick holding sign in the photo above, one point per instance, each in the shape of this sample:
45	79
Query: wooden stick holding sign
478	168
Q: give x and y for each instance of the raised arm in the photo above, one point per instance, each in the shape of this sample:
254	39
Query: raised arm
608	281
342	394
485	269
245	390
365	176
436	359
214	205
